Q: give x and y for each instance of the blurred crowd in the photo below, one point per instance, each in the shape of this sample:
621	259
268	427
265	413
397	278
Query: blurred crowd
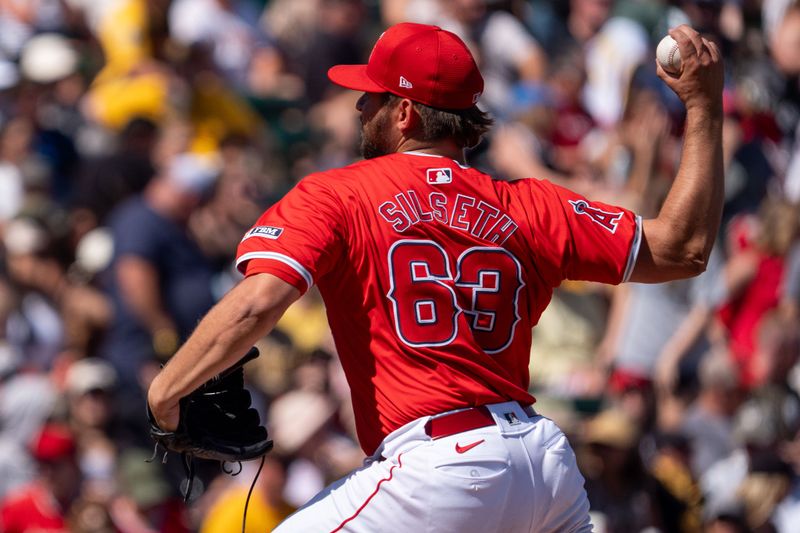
139	140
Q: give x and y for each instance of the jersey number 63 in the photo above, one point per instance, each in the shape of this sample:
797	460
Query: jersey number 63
429	298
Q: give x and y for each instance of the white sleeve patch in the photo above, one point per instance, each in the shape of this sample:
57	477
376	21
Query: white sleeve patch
265	232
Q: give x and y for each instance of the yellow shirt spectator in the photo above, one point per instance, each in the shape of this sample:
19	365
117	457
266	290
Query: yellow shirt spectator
226	513
122	32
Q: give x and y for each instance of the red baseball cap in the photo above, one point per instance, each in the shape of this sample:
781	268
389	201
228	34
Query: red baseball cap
54	442
423	63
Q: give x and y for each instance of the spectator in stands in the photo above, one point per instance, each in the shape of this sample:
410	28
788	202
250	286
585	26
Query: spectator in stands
107	180
505	51
161	282
755	273
616	480
45	503
708	422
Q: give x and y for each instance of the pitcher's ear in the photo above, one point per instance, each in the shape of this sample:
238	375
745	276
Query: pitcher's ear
408	118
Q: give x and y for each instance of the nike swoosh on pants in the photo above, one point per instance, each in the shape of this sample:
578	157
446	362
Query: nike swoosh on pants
468	447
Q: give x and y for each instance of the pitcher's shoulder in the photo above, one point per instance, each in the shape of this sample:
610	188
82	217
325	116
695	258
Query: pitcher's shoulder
353	171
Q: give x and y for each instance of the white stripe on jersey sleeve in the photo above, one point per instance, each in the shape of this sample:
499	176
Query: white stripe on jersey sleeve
285	259
634	253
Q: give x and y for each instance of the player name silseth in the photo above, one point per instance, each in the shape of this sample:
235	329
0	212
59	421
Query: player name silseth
463	213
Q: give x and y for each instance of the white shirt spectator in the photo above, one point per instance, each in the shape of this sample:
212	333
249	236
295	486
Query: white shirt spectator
231	37
12	192
612	56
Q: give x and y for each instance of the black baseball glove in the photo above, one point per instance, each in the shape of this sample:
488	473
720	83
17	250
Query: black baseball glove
217	421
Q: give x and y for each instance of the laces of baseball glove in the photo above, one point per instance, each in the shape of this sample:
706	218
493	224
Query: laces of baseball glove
187	460
250	492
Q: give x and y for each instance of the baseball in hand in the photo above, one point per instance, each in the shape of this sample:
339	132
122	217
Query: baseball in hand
668	55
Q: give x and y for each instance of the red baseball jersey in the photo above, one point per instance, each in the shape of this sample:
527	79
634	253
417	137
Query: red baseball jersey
433	275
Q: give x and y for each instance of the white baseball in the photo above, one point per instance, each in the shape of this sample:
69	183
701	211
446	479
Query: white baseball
668	55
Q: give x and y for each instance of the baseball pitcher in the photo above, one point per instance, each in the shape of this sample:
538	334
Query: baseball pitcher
433	275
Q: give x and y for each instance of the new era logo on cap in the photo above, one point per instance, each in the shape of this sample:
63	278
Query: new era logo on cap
437	176
405	83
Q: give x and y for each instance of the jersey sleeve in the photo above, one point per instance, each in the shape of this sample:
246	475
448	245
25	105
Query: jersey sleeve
577	239
298	238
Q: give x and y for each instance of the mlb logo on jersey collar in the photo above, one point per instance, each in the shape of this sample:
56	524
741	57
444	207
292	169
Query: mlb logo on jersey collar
437	176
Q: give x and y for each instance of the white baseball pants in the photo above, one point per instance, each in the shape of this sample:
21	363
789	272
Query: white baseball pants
518	475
